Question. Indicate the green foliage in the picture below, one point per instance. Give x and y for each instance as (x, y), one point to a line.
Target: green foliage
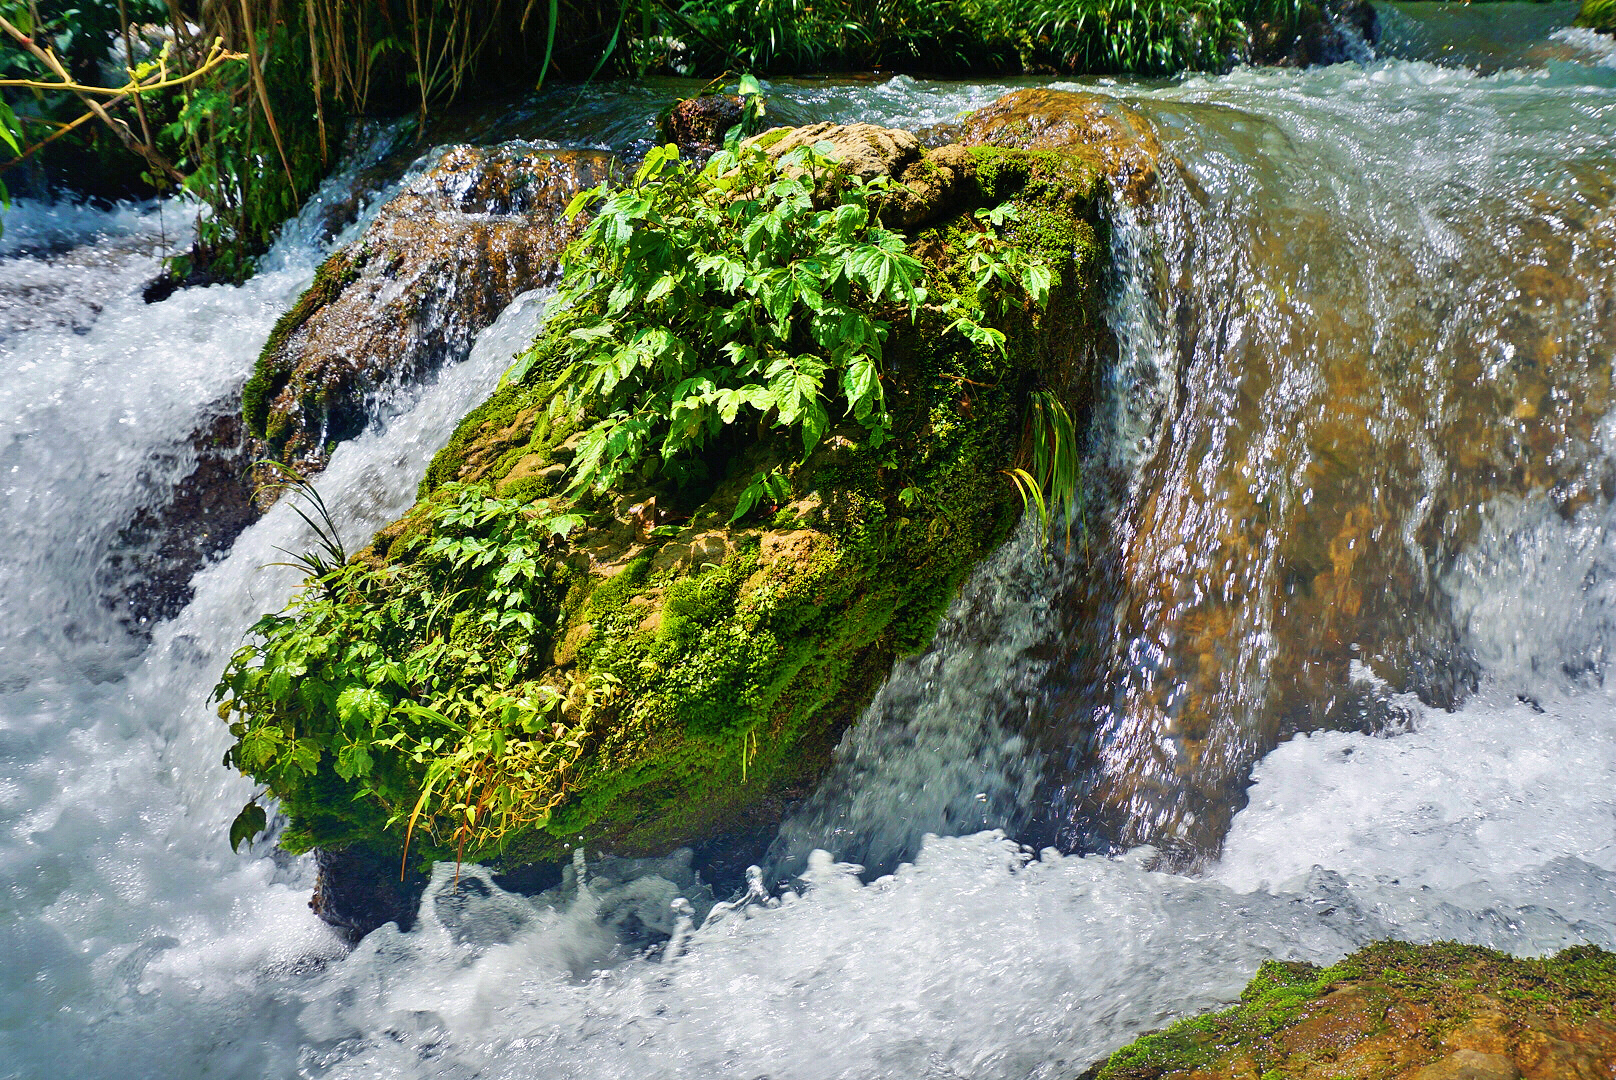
(409, 686)
(1051, 476)
(1598, 15)
(749, 293)
(969, 36)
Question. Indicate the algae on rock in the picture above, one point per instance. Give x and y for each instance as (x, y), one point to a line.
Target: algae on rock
(1401, 1012)
(696, 668)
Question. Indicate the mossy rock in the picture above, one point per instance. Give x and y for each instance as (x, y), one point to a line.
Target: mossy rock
(726, 660)
(1397, 1010)
(439, 263)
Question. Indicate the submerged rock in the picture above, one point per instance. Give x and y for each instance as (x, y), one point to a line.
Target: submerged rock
(440, 262)
(147, 575)
(1399, 1012)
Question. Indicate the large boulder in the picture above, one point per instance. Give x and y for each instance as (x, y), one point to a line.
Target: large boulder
(706, 662)
(438, 264)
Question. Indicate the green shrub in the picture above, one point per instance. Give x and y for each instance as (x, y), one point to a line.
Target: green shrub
(747, 292)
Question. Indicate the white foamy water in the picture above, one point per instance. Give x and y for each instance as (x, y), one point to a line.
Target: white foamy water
(135, 944)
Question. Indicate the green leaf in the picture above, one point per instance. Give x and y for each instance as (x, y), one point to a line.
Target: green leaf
(363, 703)
(354, 761)
(10, 129)
(249, 823)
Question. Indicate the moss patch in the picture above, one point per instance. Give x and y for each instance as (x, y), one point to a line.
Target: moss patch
(1393, 1010)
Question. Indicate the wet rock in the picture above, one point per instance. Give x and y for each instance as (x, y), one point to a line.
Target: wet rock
(147, 576)
(1329, 33)
(697, 125)
(357, 890)
(1400, 1011)
(435, 268)
(929, 186)
(1470, 1065)
(1060, 119)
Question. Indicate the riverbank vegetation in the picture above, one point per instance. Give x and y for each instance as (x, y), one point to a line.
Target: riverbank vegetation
(251, 135)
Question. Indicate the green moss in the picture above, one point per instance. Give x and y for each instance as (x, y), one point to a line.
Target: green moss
(274, 368)
(1443, 980)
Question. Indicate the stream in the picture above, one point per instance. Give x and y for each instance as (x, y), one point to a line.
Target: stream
(1337, 673)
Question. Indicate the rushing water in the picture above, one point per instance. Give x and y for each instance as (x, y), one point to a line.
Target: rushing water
(1362, 472)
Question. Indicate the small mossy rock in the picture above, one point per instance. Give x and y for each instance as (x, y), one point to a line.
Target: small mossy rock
(733, 656)
(1038, 119)
(1396, 1011)
(440, 262)
(1598, 15)
(930, 185)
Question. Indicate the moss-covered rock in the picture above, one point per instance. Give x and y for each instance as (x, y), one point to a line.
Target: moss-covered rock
(1395, 1010)
(737, 654)
(1037, 119)
(697, 664)
(439, 263)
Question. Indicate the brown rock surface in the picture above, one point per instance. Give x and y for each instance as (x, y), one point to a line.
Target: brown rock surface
(1396, 1011)
(436, 267)
(1060, 119)
(928, 185)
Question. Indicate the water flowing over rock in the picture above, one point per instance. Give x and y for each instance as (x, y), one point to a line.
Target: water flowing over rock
(438, 264)
(1333, 417)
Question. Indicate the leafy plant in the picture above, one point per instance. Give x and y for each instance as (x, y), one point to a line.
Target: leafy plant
(411, 683)
(1050, 476)
(748, 292)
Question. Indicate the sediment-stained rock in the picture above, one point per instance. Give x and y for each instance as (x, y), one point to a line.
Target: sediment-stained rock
(438, 264)
(1395, 1011)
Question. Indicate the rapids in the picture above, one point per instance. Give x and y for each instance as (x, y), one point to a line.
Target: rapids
(1342, 657)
